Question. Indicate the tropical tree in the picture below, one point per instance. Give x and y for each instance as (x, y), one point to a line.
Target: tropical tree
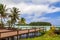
(14, 15)
(40, 23)
(1, 24)
(22, 21)
(3, 11)
(9, 23)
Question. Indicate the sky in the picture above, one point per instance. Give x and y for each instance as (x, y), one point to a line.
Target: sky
(37, 10)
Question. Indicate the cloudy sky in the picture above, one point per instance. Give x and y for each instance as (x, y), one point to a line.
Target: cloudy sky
(37, 10)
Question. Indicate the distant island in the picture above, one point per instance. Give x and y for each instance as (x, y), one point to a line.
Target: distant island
(36, 24)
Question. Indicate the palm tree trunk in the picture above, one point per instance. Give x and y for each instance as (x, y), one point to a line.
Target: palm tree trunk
(4, 20)
(13, 24)
(9, 25)
(1, 21)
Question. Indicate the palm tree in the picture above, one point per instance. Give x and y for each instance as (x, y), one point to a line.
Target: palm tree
(1, 24)
(3, 11)
(9, 23)
(14, 15)
(22, 21)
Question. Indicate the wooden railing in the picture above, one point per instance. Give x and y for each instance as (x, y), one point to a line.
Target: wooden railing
(15, 32)
(7, 34)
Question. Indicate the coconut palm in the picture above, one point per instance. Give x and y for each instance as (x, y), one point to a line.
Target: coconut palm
(3, 11)
(1, 24)
(14, 15)
(9, 23)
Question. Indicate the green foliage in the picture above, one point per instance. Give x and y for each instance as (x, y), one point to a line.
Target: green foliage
(49, 35)
(14, 15)
(3, 10)
(3, 13)
(1, 24)
(22, 21)
(45, 38)
(35, 24)
(40, 24)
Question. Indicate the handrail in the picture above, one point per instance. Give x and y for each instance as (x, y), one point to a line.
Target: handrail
(7, 31)
(15, 29)
(0, 35)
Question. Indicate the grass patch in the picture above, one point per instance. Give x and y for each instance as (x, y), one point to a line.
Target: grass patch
(47, 36)
(57, 37)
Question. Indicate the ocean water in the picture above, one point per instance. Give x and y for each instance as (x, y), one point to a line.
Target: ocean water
(30, 27)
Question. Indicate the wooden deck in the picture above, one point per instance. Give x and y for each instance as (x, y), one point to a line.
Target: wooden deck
(10, 32)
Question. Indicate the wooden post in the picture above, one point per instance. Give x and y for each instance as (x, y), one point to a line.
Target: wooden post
(17, 34)
(33, 34)
(35, 31)
(12, 38)
(7, 38)
(0, 36)
(27, 34)
(39, 29)
(20, 36)
(39, 32)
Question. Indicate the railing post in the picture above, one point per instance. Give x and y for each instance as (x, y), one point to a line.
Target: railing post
(27, 35)
(0, 34)
(17, 34)
(8, 38)
(35, 31)
(12, 38)
(39, 31)
(20, 36)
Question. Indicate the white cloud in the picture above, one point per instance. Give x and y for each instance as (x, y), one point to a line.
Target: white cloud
(39, 19)
(38, 7)
(51, 1)
(38, 10)
(32, 8)
(32, 1)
